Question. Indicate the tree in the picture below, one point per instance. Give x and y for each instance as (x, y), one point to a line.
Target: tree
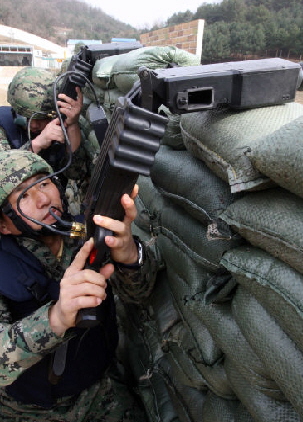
(216, 42)
(233, 10)
(256, 36)
(258, 15)
(211, 13)
(180, 18)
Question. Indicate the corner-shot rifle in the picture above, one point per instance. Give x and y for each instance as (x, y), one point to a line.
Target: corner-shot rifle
(133, 136)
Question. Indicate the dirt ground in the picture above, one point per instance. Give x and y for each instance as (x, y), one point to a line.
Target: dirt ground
(6, 75)
(8, 72)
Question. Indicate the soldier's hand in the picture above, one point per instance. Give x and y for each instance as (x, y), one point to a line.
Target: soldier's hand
(79, 288)
(51, 132)
(70, 108)
(123, 247)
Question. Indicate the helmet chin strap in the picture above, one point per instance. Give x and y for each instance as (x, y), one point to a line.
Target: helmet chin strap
(61, 226)
(26, 230)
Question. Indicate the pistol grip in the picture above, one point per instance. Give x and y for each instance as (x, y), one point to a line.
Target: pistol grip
(90, 317)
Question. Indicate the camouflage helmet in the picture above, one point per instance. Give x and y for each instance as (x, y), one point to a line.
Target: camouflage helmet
(16, 166)
(31, 92)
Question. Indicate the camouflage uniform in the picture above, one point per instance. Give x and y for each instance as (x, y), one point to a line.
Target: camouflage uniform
(109, 400)
(23, 343)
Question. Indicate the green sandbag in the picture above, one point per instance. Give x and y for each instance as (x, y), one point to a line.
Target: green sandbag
(98, 93)
(227, 335)
(160, 304)
(125, 69)
(261, 407)
(277, 286)
(203, 351)
(222, 139)
(142, 354)
(185, 279)
(217, 409)
(157, 400)
(271, 220)
(279, 354)
(199, 346)
(160, 384)
(187, 401)
(172, 136)
(162, 218)
(177, 347)
(209, 351)
(280, 156)
(188, 182)
(176, 341)
(101, 73)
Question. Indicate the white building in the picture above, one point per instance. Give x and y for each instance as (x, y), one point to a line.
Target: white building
(45, 53)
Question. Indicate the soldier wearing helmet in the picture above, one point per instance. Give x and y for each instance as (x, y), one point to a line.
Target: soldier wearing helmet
(41, 290)
(30, 123)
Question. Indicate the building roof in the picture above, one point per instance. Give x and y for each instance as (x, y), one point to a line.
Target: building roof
(10, 35)
(86, 42)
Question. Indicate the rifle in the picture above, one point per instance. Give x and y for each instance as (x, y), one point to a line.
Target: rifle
(133, 136)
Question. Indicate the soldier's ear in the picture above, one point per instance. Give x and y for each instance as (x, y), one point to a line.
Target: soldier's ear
(4, 229)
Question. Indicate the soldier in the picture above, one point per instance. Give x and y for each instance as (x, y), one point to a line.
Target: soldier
(50, 369)
(31, 124)
(32, 111)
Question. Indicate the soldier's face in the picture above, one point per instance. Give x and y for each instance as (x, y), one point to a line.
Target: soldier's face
(37, 125)
(35, 203)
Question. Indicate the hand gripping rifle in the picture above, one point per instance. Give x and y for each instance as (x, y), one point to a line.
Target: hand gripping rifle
(79, 72)
(133, 136)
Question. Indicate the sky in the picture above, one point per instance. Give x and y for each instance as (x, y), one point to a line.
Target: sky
(142, 14)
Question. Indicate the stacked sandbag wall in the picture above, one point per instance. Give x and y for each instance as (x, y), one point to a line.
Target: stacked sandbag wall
(257, 153)
(219, 338)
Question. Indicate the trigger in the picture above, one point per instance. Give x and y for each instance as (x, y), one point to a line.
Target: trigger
(92, 256)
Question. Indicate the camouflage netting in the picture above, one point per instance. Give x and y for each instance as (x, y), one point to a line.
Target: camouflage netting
(219, 339)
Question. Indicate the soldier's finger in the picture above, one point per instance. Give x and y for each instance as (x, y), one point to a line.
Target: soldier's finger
(81, 257)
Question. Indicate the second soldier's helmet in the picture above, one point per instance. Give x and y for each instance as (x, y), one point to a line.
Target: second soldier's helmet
(30, 93)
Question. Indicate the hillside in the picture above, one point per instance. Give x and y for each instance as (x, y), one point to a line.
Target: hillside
(234, 29)
(58, 20)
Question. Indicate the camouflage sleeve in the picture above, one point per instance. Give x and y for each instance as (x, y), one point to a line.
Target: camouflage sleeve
(78, 164)
(27, 146)
(24, 342)
(85, 155)
(4, 144)
(135, 286)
